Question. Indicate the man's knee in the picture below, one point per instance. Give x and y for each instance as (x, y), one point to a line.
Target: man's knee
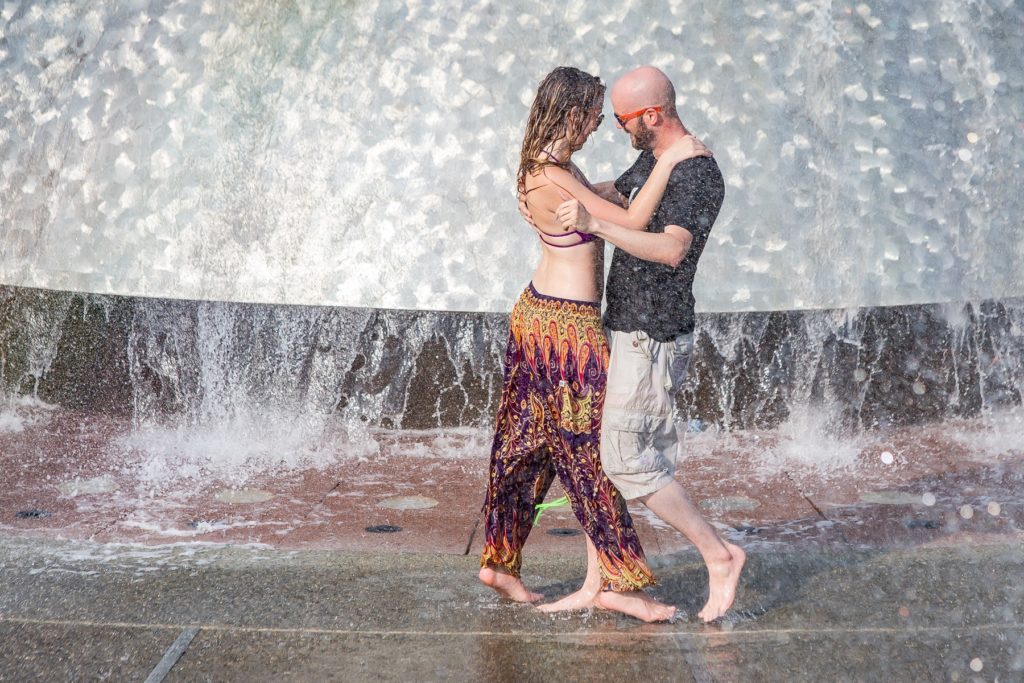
(669, 491)
(638, 483)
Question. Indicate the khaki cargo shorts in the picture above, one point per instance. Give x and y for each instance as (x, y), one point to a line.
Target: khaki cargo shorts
(639, 444)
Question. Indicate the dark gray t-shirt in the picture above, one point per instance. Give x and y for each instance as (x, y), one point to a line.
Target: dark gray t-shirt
(653, 297)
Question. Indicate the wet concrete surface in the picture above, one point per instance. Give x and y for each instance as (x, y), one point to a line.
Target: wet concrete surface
(919, 485)
(889, 556)
(85, 611)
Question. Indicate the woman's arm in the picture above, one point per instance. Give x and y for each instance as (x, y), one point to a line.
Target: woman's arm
(646, 200)
(607, 190)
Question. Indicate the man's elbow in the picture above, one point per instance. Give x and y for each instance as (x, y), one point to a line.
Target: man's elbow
(677, 252)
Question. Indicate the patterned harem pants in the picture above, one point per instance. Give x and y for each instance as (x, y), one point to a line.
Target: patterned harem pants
(549, 421)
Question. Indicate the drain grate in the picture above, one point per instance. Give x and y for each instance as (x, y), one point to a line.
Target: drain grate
(383, 529)
(564, 531)
(924, 524)
(197, 523)
(32, 514)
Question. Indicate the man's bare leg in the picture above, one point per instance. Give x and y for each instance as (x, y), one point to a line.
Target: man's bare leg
(584, 597)
(507, 586)
(724, 560)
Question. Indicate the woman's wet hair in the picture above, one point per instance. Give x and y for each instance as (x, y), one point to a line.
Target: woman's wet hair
(560, 109)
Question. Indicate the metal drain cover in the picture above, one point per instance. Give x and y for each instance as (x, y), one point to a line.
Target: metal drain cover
(565, 531)
(383, 529)
(32, 514)
(924, 524)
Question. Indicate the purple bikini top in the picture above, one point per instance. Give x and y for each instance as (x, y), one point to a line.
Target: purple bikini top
(584, 236)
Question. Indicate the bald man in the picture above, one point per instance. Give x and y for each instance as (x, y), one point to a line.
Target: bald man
(649, 323)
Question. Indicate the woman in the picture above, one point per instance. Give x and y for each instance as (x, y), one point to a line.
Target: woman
(556, 361)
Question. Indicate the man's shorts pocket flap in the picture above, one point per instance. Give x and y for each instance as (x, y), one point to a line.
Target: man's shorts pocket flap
(624, 421)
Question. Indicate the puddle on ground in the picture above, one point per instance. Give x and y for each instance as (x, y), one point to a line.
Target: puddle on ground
(239, 496)
(85, 487)
(890, 498)
(408, 503)
(730, 503)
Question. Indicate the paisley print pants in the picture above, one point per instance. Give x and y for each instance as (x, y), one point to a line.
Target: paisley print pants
(549, 421)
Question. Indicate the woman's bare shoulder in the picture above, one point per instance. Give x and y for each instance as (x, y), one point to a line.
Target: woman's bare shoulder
(546, 181)
(545, 175)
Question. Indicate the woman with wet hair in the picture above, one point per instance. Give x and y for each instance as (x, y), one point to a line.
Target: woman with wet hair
(549, 415)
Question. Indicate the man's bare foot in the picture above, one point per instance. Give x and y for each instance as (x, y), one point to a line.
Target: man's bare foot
(507, 586)
(581, 599)
(722, 580)
(636, 604)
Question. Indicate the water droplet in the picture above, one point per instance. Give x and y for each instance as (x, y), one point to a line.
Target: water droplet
(904, 612)
(993, 80)
(964, 154)
(886, 457)
(973, 138)
(860, 374)
(919, 387)
(928, 499)
(977, 665)
(966, 511)
(994, 509)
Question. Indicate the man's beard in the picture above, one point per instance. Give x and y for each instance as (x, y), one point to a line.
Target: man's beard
(643, 138)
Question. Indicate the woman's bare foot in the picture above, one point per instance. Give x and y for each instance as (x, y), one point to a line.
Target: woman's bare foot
(722, 580)
(581, 599)
(636, 604)
(507, 586)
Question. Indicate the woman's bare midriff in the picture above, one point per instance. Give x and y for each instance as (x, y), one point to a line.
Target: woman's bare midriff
(571, 273)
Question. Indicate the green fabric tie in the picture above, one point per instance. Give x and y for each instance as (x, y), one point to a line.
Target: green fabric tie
(541, 507)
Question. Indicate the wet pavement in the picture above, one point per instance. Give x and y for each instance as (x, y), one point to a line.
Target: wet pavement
(901, 559)
(87, 611)
(79, 477)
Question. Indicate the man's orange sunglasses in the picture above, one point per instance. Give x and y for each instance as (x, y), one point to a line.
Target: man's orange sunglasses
(622, 119)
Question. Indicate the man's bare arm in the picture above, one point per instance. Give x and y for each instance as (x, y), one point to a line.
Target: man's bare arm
(667, 247)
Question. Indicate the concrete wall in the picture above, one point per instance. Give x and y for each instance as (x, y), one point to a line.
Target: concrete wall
(197, 362)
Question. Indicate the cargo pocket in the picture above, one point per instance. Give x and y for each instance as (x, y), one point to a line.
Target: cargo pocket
(627, 444)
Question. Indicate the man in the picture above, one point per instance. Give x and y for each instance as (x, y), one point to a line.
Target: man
(650, 320)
